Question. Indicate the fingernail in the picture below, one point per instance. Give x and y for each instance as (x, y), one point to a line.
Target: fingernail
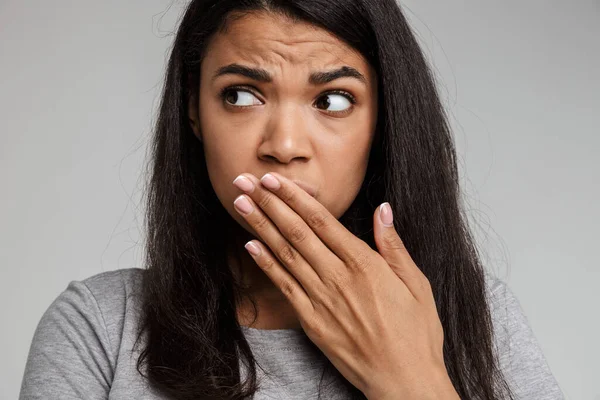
(252, 248)
(385, 214)
(243, 205)
(244, 184)
(270, 182)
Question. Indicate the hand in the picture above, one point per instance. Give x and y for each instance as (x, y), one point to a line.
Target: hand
(372, 314)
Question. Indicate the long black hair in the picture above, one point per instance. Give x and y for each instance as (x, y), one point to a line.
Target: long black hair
(194, 344)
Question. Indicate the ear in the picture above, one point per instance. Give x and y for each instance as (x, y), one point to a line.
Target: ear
(194, 118)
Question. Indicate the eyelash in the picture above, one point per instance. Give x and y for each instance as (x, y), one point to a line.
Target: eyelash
(352, 99)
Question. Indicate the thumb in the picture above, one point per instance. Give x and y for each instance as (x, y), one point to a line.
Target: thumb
(391, 247)
(389, 244)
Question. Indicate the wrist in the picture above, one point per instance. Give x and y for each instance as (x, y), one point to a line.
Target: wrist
(425, 387)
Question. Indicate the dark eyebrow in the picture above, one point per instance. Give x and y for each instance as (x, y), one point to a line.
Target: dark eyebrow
(315, 78)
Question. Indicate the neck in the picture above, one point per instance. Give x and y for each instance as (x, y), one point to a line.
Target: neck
(274, 310)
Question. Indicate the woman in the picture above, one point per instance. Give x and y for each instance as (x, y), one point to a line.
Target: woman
(335, 100)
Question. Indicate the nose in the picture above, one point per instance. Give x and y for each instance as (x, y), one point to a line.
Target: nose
(286, 138)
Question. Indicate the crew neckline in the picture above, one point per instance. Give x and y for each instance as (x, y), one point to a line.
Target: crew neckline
(269, 340)
(272, 332)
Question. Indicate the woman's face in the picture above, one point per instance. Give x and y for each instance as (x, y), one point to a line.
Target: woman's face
(281, 120)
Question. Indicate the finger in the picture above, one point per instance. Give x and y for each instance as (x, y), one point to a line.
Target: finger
(289, 257)
(281, 278)
(343, 243)
(392, 249)
(295, 230)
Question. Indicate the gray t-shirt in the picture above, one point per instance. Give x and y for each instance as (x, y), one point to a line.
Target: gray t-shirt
(82, 348)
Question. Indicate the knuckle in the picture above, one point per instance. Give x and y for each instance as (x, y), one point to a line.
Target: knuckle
(393, 242)
(316, 328)
(265, 200)
(297, 233)
(359, 261)
(267, 264)
(287, 254)
(289, 196)
(318, 219)
(336, 283)
(288, 289)
(261, 224)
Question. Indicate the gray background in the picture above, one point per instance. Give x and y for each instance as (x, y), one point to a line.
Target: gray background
(80, 82)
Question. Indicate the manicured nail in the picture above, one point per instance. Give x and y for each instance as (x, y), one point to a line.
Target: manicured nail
(244, 184)
(385, 214)
(270, 182)
(243, 205)
(252, 248)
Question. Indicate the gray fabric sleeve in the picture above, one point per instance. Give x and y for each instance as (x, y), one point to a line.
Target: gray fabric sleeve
(521, 357)
(69, 357)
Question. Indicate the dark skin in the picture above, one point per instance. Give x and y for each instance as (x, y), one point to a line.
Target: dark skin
(372, 313)
(288, 125)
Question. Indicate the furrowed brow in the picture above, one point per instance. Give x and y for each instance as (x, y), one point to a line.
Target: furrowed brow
(315, 78)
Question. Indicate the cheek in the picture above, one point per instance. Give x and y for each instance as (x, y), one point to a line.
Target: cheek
(223, 160)
(222, 169)
(339, 198)
(221, 172)
(221, 181)
(343, 182)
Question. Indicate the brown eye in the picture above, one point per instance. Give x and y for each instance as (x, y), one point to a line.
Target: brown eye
(339, 101)
(232, 95)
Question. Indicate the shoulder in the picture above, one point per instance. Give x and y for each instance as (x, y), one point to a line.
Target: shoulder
(99, 293)
(106, 293)
(116, 285)
(520, 354)
(116, 295)
(501, 298)
(81, 334)
(505, 310)
(107, 303)
(494, 285)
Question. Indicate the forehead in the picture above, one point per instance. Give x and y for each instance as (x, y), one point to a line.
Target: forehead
(273, 39)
